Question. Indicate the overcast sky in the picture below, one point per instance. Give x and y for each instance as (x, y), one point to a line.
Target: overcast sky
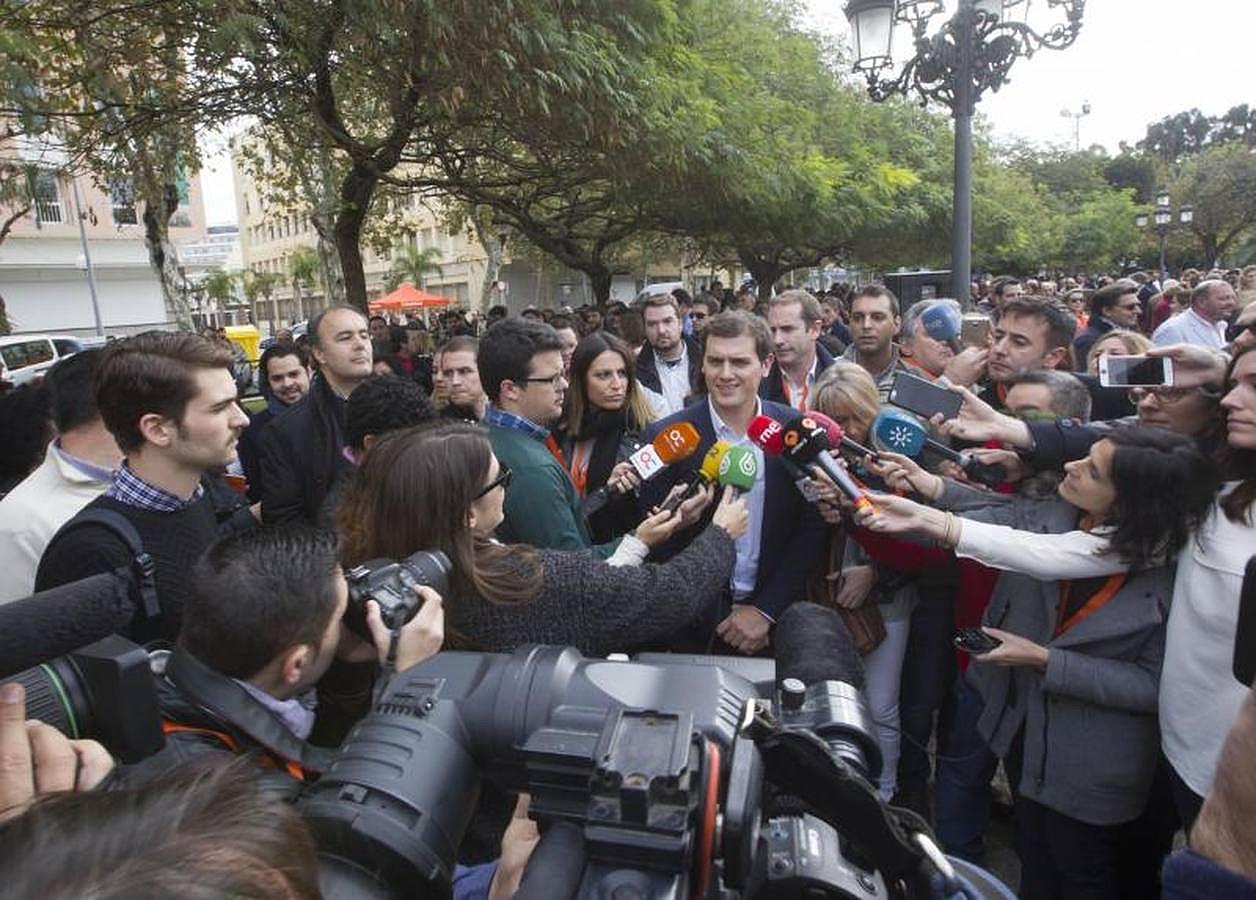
(1135, 62)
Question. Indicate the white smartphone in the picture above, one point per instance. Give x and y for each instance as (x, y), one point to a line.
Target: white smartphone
(1135, 371)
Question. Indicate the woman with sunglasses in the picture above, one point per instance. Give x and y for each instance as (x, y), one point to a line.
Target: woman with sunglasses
(439, 487)
(604, 416)
(1070, 688)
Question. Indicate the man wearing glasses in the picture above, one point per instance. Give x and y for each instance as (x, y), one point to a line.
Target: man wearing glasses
(521, 370)
(1111, 307)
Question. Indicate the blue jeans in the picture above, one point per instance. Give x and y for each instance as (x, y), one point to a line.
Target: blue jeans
(928, 671)
(965, 767)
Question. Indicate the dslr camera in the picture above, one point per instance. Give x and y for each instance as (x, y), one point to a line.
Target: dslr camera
(391, 584)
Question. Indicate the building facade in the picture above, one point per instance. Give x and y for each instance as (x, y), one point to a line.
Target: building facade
(43, 268)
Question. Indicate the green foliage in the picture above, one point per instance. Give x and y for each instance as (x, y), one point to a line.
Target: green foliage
(1220, 183)
(1190, 133)
(413, 264)
(219, 285)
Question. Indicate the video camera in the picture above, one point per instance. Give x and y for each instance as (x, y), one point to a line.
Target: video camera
(685, 776)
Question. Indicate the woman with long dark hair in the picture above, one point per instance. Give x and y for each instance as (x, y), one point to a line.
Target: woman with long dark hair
(1070, 692)
(605, 414)
(439, 487)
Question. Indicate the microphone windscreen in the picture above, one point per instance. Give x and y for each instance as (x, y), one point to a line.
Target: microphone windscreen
(831, 429)
(941, 322)
(710, 468)
(676, 442)
(61, 619)
(812, 645)
(767, 433)
(739, 468)
(898, 432)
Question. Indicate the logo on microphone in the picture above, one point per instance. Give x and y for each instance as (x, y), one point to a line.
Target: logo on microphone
(898, 436)
(747, 466)
(792, 437)
(676, 439)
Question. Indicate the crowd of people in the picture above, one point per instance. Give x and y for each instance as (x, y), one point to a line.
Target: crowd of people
(1102, 566)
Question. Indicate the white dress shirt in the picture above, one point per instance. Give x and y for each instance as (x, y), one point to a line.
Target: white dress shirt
(674, 379)
(1189, 327)
(746, 568)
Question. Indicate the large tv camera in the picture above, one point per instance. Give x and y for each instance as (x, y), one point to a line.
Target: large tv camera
(683, 776)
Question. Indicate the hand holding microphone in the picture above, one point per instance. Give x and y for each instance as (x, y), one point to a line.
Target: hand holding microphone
(902, 433)
(670, 446)
(708, 473)
(732, 514)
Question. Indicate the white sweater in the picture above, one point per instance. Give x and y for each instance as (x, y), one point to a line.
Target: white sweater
(1199, 697)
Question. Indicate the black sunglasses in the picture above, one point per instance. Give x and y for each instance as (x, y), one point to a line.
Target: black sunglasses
(502, 480)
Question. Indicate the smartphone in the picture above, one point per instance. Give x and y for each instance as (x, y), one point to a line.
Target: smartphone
(974, 641)
(924, 398)
(1134, 371)
(1245, 634)
(975, 331)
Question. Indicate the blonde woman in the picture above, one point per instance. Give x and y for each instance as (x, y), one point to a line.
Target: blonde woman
(1116, 343)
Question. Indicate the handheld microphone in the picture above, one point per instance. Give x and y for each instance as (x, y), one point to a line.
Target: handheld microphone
(671, 445)
(739, 468)
(805, 444)
(708, 473)
(819, 676)
(902, 433)
(769, 435)
(837, 436)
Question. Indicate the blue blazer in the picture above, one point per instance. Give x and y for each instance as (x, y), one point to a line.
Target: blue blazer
(793, 537)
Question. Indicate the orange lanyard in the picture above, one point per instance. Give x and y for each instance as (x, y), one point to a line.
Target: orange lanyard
(551, 444)
(581, 453)
(788, 395)
(1102, 596)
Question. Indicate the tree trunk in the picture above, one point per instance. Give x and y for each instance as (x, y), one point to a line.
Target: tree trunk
(600, 281)
(765, 272)
(494, 249)
(1209, 244)
(162, 255)
(355, 197)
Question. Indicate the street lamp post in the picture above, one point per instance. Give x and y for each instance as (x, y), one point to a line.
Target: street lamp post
(971, 52)
(1163, 217)
(1077, 123)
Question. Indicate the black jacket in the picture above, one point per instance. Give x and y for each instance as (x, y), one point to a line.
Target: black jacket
(1097, 328)
(772, 388)
(207, 715)
(302, 455)
(648, 373)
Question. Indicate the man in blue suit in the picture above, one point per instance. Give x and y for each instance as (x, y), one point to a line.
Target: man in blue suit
(786, 536)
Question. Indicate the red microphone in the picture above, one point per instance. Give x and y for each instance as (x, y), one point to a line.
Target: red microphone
(768, 433)
(837, 437)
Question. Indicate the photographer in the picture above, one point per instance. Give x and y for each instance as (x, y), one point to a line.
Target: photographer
(262, 624)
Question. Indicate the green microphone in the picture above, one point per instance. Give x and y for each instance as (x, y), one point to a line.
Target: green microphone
(739, 468)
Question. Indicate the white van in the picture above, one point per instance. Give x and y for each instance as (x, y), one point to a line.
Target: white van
(25, 357)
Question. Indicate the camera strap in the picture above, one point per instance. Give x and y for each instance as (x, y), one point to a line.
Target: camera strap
(883, 837)
(228, 703)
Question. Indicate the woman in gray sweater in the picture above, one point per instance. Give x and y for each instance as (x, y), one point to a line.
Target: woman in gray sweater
(441, 488)
(1070, 691)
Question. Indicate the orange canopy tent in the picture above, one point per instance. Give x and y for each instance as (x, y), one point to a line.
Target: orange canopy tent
(407, 296)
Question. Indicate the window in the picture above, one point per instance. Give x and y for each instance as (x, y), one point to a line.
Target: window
(122, 197)
(27, 353)
(47, 198)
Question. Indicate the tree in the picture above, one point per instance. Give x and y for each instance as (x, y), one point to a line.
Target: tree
(219, 286)
(1220, 183)
(413, 264)
(259, 286)
(1191, 132)
(304, 266)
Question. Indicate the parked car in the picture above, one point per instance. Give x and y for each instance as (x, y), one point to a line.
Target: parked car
(26, 357)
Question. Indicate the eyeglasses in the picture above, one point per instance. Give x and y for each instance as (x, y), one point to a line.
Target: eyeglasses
(1166, 396)
(501, 481)
(552, 380)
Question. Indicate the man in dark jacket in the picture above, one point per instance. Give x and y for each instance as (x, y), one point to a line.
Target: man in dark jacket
(795, 319)
(670, 362)
(303, 450)
(777, 554)
(284, 372)
(1113, 306)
